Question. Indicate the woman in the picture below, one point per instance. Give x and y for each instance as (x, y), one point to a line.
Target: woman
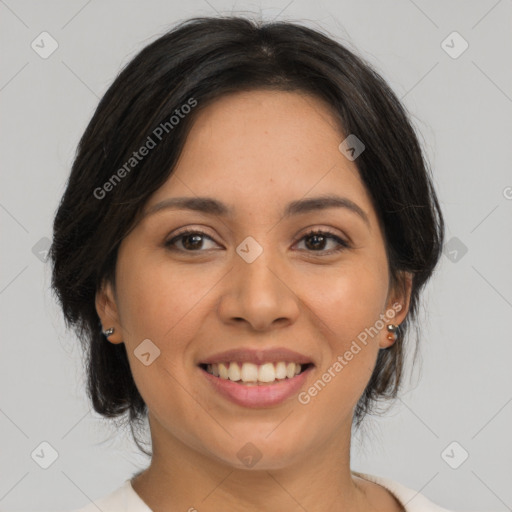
(241, 247)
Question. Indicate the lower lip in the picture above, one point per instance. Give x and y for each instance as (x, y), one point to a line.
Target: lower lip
(259, 395)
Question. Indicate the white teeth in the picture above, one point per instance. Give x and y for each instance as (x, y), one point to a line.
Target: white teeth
(223, 371)
(234, 372)
(267, 373)
(250, 372)
(280, 370)
(290, 370)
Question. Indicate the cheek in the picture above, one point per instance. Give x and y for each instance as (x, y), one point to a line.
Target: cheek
(353, 300)
(157, 305)
(349, 313)
(154, 298)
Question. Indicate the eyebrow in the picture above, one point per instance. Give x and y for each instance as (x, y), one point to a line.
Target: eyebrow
(212, 206)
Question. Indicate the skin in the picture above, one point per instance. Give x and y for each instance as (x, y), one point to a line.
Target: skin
(255, 151)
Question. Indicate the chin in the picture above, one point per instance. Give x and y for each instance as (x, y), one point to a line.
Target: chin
(255, 454)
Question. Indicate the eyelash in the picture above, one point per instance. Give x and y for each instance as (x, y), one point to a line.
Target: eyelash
(325, 233)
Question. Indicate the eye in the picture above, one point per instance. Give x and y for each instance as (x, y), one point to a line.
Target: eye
(318, 240)
(190, 241)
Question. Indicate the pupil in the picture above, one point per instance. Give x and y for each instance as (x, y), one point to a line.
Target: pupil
(195, 245)
(316, 238)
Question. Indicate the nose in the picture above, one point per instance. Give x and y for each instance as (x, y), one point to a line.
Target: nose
(259, 294)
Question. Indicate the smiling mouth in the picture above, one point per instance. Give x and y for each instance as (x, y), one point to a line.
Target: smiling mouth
(255, 375)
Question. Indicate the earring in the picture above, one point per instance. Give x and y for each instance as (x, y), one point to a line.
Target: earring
(392, 332)
(108, 332)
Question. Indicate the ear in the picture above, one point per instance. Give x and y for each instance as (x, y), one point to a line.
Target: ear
(106, 307)
(397, 306)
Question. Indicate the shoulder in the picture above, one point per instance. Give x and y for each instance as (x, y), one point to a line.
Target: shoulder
(122, 499)
(411, 500)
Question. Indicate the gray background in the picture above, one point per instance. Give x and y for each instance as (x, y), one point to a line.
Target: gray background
(462, 107)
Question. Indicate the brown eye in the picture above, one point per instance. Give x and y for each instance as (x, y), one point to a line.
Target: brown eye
(191, 241)
(317, 240)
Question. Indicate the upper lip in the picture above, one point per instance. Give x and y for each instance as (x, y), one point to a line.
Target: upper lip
(257, 356)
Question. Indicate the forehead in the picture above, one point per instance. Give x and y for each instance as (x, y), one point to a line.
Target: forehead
(260, 149)
(267, 127)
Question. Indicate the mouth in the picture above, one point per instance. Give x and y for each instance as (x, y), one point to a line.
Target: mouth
(256, 378)
(251, 374)
(256, 386)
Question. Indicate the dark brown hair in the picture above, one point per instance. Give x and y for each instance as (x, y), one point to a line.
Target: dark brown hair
(200, 60)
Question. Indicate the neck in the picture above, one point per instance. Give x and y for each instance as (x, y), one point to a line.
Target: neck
(182, 478)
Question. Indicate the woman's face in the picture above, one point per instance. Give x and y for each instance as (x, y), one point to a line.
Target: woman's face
(253, 281)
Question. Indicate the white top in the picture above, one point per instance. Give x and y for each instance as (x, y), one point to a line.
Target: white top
(125, 499)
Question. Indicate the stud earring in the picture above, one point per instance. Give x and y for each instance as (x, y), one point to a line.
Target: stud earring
(108, 332)
(392, 332)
